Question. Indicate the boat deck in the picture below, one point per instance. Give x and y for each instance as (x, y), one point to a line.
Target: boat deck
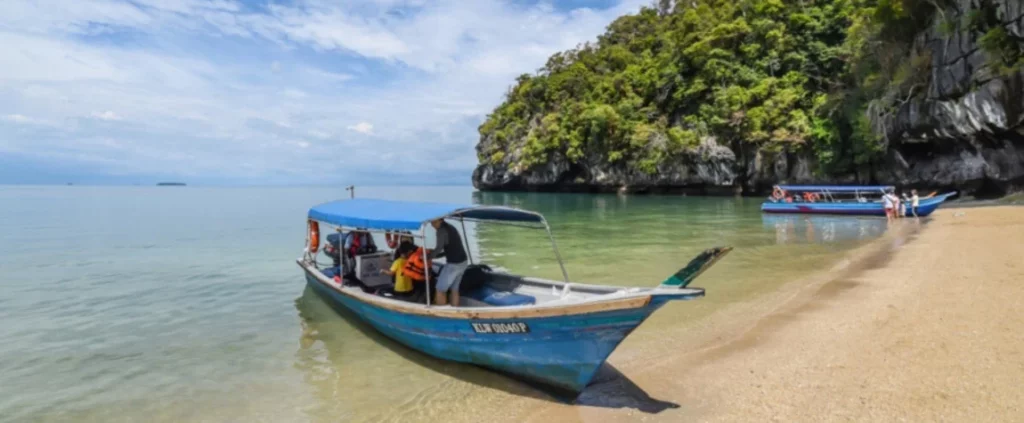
(504, 289)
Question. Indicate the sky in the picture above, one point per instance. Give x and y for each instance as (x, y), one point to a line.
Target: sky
(266, 92)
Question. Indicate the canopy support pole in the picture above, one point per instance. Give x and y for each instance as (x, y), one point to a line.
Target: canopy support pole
(465, 240)
(426, 264)
(305, 253)
(565, 275)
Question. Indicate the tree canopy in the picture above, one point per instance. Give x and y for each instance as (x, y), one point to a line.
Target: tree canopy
(794, 74)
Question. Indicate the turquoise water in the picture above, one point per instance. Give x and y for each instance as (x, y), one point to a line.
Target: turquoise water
(185, 304)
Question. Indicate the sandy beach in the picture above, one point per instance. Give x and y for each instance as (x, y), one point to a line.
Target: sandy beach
(921, 325)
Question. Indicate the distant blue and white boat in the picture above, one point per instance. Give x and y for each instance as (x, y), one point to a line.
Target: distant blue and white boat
(554, 332)
(842, 200)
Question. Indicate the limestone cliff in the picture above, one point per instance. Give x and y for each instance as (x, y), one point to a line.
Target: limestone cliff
(960, 127)
(966, 131)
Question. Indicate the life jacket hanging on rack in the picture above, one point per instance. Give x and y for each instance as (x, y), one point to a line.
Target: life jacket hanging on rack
(355, 243)
(359, 242)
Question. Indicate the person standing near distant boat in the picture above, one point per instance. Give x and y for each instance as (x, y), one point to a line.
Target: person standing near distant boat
(449, 246)
(901, 204)
(889, 202)
(778, 194)
(914, 201)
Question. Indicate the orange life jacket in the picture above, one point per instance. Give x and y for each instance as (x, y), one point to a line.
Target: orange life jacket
(414, 268)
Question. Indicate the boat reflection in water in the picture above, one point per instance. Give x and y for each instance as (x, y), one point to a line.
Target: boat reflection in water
(805, 229)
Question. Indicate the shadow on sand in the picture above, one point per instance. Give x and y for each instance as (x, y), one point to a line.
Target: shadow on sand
(609, 389)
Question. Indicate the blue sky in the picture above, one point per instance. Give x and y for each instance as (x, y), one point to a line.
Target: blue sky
(266, 91)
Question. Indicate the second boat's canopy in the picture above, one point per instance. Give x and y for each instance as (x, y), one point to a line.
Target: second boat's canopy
(837, 188)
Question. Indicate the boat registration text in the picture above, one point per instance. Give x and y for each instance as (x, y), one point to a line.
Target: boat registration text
(501, 328)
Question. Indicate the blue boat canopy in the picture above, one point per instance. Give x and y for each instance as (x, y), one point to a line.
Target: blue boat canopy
(408, 215)
(837, 188)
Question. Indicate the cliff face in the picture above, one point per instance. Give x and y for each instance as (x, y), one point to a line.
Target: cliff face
(966, 132)
(707, 167)
(962, 130)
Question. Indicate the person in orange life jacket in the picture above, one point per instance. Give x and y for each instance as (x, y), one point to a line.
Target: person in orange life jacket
(415, 269)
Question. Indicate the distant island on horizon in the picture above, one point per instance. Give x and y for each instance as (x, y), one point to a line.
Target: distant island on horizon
(170, 184)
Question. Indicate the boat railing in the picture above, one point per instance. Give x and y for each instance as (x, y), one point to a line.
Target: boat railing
(422, 236)
(827, 196)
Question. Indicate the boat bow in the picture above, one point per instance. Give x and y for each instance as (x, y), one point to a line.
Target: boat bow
(695, 268)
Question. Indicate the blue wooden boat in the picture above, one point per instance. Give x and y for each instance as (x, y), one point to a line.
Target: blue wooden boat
(845, 200)
(557, 333)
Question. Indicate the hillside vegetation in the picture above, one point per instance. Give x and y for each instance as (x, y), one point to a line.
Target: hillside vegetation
(756, 75)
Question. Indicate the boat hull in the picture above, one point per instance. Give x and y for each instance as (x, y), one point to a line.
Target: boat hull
(560, 351)
(925, 207)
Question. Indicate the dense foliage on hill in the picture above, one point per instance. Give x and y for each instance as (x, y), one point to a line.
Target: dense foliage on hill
(755, 74)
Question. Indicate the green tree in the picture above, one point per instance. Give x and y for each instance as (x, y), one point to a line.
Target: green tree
(815, 75)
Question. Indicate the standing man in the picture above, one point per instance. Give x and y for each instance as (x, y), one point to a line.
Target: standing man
(889, 203)
(449, 246)
(914, 201)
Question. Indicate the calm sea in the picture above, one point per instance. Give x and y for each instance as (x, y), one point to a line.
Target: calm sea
(185, 303)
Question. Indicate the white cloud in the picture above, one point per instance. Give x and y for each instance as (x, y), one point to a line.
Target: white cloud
(107, 115)
(78, 16)
(295, 94)
(362, 127)
(189, 6)
(16, 118)
(208, 82)
(319, 134)
(331, 76)
(335, 29)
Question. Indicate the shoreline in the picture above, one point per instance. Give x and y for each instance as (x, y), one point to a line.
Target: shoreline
(734, 191)
(893, 331)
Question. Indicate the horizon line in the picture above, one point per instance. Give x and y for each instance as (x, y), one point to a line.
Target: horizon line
(216, 185)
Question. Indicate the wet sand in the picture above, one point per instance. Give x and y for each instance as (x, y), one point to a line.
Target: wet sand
(922, 325)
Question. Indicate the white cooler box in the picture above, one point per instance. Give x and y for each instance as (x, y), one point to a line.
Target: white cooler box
(369, 267)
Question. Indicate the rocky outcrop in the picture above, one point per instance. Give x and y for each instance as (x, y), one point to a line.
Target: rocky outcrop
(964, 132)
(709, 167)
